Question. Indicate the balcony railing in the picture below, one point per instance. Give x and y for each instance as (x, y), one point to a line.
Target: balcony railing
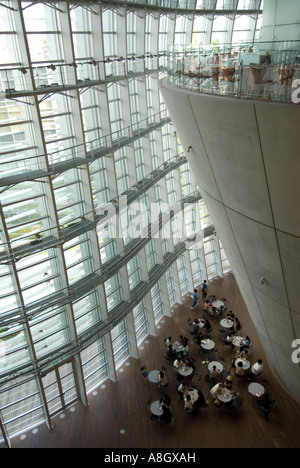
(264, 70)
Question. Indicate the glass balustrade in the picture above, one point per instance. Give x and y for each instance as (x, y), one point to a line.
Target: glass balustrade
(258, 70)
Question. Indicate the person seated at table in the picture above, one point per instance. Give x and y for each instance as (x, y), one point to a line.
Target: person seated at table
(188, 404)
(178, 362)
(230, 315)
(207, 325)
(183, 340)
(200, 402)
(162, 379)
(212, 299)
(256, 369)
(235, 402)
(239, 370)
(189, 362)
(168, 341)
(195, 327)
(229, 340)
(214, 374)
(245, 344)
(182, 389)
(218, 404)
(236, 325)
(265, 402)
(228, 382)
(185, 350)
(165, 400)
(216, 389)
(220, 311)
(166, 414)
(170, 354)
(206, 308)
(199, 338)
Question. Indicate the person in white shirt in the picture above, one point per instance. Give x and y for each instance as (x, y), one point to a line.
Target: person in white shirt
(188, 404)
(216, 389)
(256, 369)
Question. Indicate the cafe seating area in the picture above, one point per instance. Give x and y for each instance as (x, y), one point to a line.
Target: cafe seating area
(213, 357)
(131, 405)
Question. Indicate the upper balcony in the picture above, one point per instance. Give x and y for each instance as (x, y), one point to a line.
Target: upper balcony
(260, 70)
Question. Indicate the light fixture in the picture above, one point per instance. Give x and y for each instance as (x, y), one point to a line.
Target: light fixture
(189, 149)
(108, 60)
(262, 280)
(93, 62)
(23, 70)
(52, 67)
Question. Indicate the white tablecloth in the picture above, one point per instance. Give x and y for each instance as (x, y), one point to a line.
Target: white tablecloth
(152, 376)
(256, 389)
(237, 340)
(154, 408)
(225, 395)
(226, 323)
(207, 344)
(217, 304)
(185, 371)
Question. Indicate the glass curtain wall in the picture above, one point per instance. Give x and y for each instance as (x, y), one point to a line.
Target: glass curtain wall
(84, 132)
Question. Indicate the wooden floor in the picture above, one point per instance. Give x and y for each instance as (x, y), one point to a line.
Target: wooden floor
(117, 417)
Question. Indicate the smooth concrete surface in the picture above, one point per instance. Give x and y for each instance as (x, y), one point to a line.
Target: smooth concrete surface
(246, 160)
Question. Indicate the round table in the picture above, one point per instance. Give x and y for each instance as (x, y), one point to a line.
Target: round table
(177, 347)
(218, 365)
(256, 389)
(152, 376)
(207, 344)
(154, 408)
(217, 304)
(226, 323)
(185, 371)
(246, 364)
(237, 340)
(225, 395)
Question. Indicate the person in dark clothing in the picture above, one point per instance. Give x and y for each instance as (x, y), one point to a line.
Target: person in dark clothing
(166, 415)
(165, 400)
(200, 402)
(204, 289)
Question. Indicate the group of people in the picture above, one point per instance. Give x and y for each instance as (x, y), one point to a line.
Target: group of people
(178, 352)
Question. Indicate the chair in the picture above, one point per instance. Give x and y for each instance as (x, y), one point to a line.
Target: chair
(143, 372)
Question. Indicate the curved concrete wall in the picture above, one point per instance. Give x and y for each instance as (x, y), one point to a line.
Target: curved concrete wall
(245, 157)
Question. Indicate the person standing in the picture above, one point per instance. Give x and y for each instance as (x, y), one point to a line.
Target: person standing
(204, 289)
(195, 298)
